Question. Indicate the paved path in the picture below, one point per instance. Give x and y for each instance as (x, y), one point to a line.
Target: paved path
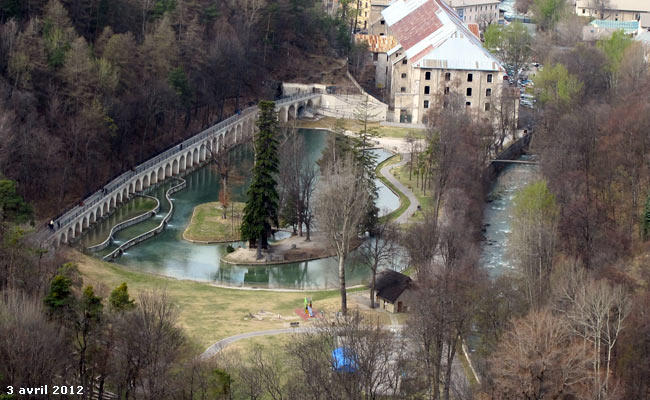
(385, 171)
(223, 343)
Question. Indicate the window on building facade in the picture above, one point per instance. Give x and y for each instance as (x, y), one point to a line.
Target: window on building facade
(447, 76)
(447, 90)
(488, 92)
(426, 103)
(445, 104)
(470, 77)
(404, 61)
(469, 91)
(402, 89)
(403, 75)
(489, 78)
(468, 103)
(426, 89)
(383, 22)
(427, 76)
(487, 106)
(375, 56)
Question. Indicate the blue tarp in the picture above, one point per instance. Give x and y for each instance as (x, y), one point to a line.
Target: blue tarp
(342, 361)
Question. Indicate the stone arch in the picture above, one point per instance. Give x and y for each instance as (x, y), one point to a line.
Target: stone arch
(63, 238)
(70, 235)
(283, 114)
(98, 213)
(112, 204)
(145, 182)
(105, 208)
(217, 143)
(92, 217)
(291, 112)
(153, 177)
(125, 194)
(188, 160)
(118, 198)
(175, 166)
(238, 133)
(161, 173)
(77, 228)
(131, 188)
(168, 170)
(84, 222)
(310, 103)
(138, 185)
(181, 163)
(195, 157)
(300, 110)
(202, 152)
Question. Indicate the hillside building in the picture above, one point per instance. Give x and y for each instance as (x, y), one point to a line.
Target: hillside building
(436, 55)
(481, 12)
(614, 10)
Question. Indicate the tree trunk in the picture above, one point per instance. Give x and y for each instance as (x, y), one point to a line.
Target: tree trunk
(344, 300)
(259, 248)
(372, 288)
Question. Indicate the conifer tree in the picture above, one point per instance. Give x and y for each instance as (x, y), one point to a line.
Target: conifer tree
(261, 208)
(645, 224)
(119, 299)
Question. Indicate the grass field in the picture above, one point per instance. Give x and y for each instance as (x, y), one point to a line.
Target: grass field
(207, 225)
(209, 313)
(351, 125)
(426, 201)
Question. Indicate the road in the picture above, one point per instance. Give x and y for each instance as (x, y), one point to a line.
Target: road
(385, 171)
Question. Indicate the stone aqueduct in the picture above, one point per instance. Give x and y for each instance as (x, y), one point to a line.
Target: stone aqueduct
(172, 162)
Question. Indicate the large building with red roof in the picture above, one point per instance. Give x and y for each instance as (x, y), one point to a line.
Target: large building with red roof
(437, 55)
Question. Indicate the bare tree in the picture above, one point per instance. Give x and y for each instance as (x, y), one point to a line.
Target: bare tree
(341, 204)
(538, 359)
(380, 249)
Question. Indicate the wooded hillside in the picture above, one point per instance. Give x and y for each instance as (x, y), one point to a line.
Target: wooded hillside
(89, 88)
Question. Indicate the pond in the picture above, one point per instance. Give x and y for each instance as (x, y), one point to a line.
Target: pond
(169, 255)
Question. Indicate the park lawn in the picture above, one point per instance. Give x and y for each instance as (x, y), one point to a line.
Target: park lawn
(426, 201)
(209, 313)
(353, 125)
(207, 225)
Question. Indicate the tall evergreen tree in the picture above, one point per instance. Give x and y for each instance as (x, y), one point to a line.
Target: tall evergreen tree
(262, 205)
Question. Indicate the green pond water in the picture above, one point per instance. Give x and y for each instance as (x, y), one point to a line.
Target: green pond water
(169, 255)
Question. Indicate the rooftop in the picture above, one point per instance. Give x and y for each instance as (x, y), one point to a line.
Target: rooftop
(433, 36)
(391, 284)
(622, 5)
(377, 43)
(467, 3)
(629, 27)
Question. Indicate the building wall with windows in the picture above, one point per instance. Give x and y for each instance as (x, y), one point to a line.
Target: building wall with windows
(417, 90)
(615, 10)
(481, 12)
(377, 24)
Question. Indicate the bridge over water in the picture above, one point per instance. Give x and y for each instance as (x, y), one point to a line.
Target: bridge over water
(175, 161)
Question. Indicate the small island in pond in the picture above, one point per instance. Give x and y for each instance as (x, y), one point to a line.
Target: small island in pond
(208, 224)
(291, 249)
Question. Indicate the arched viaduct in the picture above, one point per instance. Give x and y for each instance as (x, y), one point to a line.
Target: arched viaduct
(174, 161)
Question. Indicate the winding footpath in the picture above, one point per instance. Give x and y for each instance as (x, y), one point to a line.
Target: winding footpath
(223, 343)
(385, 171)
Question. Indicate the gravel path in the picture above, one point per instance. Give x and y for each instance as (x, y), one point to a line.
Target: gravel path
(385, 171)
(223, 343)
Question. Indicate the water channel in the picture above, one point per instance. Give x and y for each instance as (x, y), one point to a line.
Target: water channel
(169, 255)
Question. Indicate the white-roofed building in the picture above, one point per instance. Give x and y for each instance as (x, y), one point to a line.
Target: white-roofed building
(436, 55)
(615, 10)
